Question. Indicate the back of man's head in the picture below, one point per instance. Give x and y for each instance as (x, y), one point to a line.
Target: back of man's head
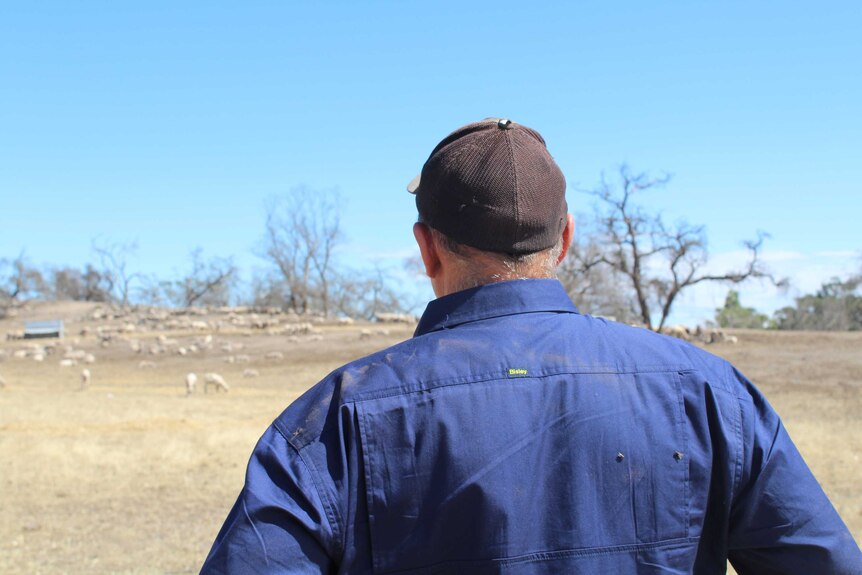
(494, 199)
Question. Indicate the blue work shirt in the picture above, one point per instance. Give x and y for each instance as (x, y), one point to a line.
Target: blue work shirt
(513, 434)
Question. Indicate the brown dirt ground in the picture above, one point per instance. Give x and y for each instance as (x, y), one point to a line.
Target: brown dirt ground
(132, 476)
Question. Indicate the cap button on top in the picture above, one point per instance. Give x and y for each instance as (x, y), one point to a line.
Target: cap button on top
(504, 124)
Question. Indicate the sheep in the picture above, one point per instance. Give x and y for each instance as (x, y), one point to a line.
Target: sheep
(68, 362)
(250, 373)
(89, 358)
(387, 317)
(215, 380)
(365, 334)
(165, 341)
(146, 364)
(191, 381)
(715, 336)
(75, 354)
(677, 331)
(85, 378)
(296, 328)
(274, 355)
(345, 321)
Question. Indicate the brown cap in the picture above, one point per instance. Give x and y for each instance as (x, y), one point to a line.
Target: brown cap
(493, 185)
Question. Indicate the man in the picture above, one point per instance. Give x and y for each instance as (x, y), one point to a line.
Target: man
(513, 434)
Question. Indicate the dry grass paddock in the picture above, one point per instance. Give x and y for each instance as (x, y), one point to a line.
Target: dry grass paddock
(132, 476)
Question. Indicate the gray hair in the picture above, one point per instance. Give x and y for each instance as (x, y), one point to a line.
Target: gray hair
(480, 267)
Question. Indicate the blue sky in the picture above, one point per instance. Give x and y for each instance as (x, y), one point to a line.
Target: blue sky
(170, 123)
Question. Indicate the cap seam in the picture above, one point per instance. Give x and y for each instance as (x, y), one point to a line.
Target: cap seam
(515, 186)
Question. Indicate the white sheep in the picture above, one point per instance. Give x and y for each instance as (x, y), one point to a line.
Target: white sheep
(215, 380)
(85, 378)
(191, 381)
(250, 373)
(274, 355)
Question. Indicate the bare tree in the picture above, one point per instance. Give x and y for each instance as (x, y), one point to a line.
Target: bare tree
(19, 280)
(657, 261)
(210, 281)
(365, 294)
(113, 258)
(303, 229)
(67, 283)
(597, 290)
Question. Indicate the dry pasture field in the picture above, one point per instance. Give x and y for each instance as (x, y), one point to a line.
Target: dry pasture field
(131, 475)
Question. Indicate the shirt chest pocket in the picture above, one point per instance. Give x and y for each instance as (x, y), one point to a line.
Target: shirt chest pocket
(507, 468)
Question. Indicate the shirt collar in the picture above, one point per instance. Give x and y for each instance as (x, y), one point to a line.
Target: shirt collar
(495, 300)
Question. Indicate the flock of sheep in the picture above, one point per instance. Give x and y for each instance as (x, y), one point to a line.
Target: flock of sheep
(178, 333)
(699, 334)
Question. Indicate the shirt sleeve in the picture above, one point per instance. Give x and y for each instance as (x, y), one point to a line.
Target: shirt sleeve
(782, 522)
(278, 523)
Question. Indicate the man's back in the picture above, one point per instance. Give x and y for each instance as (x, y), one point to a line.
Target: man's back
(514, 434)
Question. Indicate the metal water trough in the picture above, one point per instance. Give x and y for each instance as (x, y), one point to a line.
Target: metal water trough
(37, 329)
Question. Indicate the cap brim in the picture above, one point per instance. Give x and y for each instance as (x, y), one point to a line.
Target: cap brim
(413, 186)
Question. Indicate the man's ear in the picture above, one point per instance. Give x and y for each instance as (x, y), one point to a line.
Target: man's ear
(568, 234)
(428, 249)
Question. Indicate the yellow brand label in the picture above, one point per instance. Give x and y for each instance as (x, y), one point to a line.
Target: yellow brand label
(515, 372)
